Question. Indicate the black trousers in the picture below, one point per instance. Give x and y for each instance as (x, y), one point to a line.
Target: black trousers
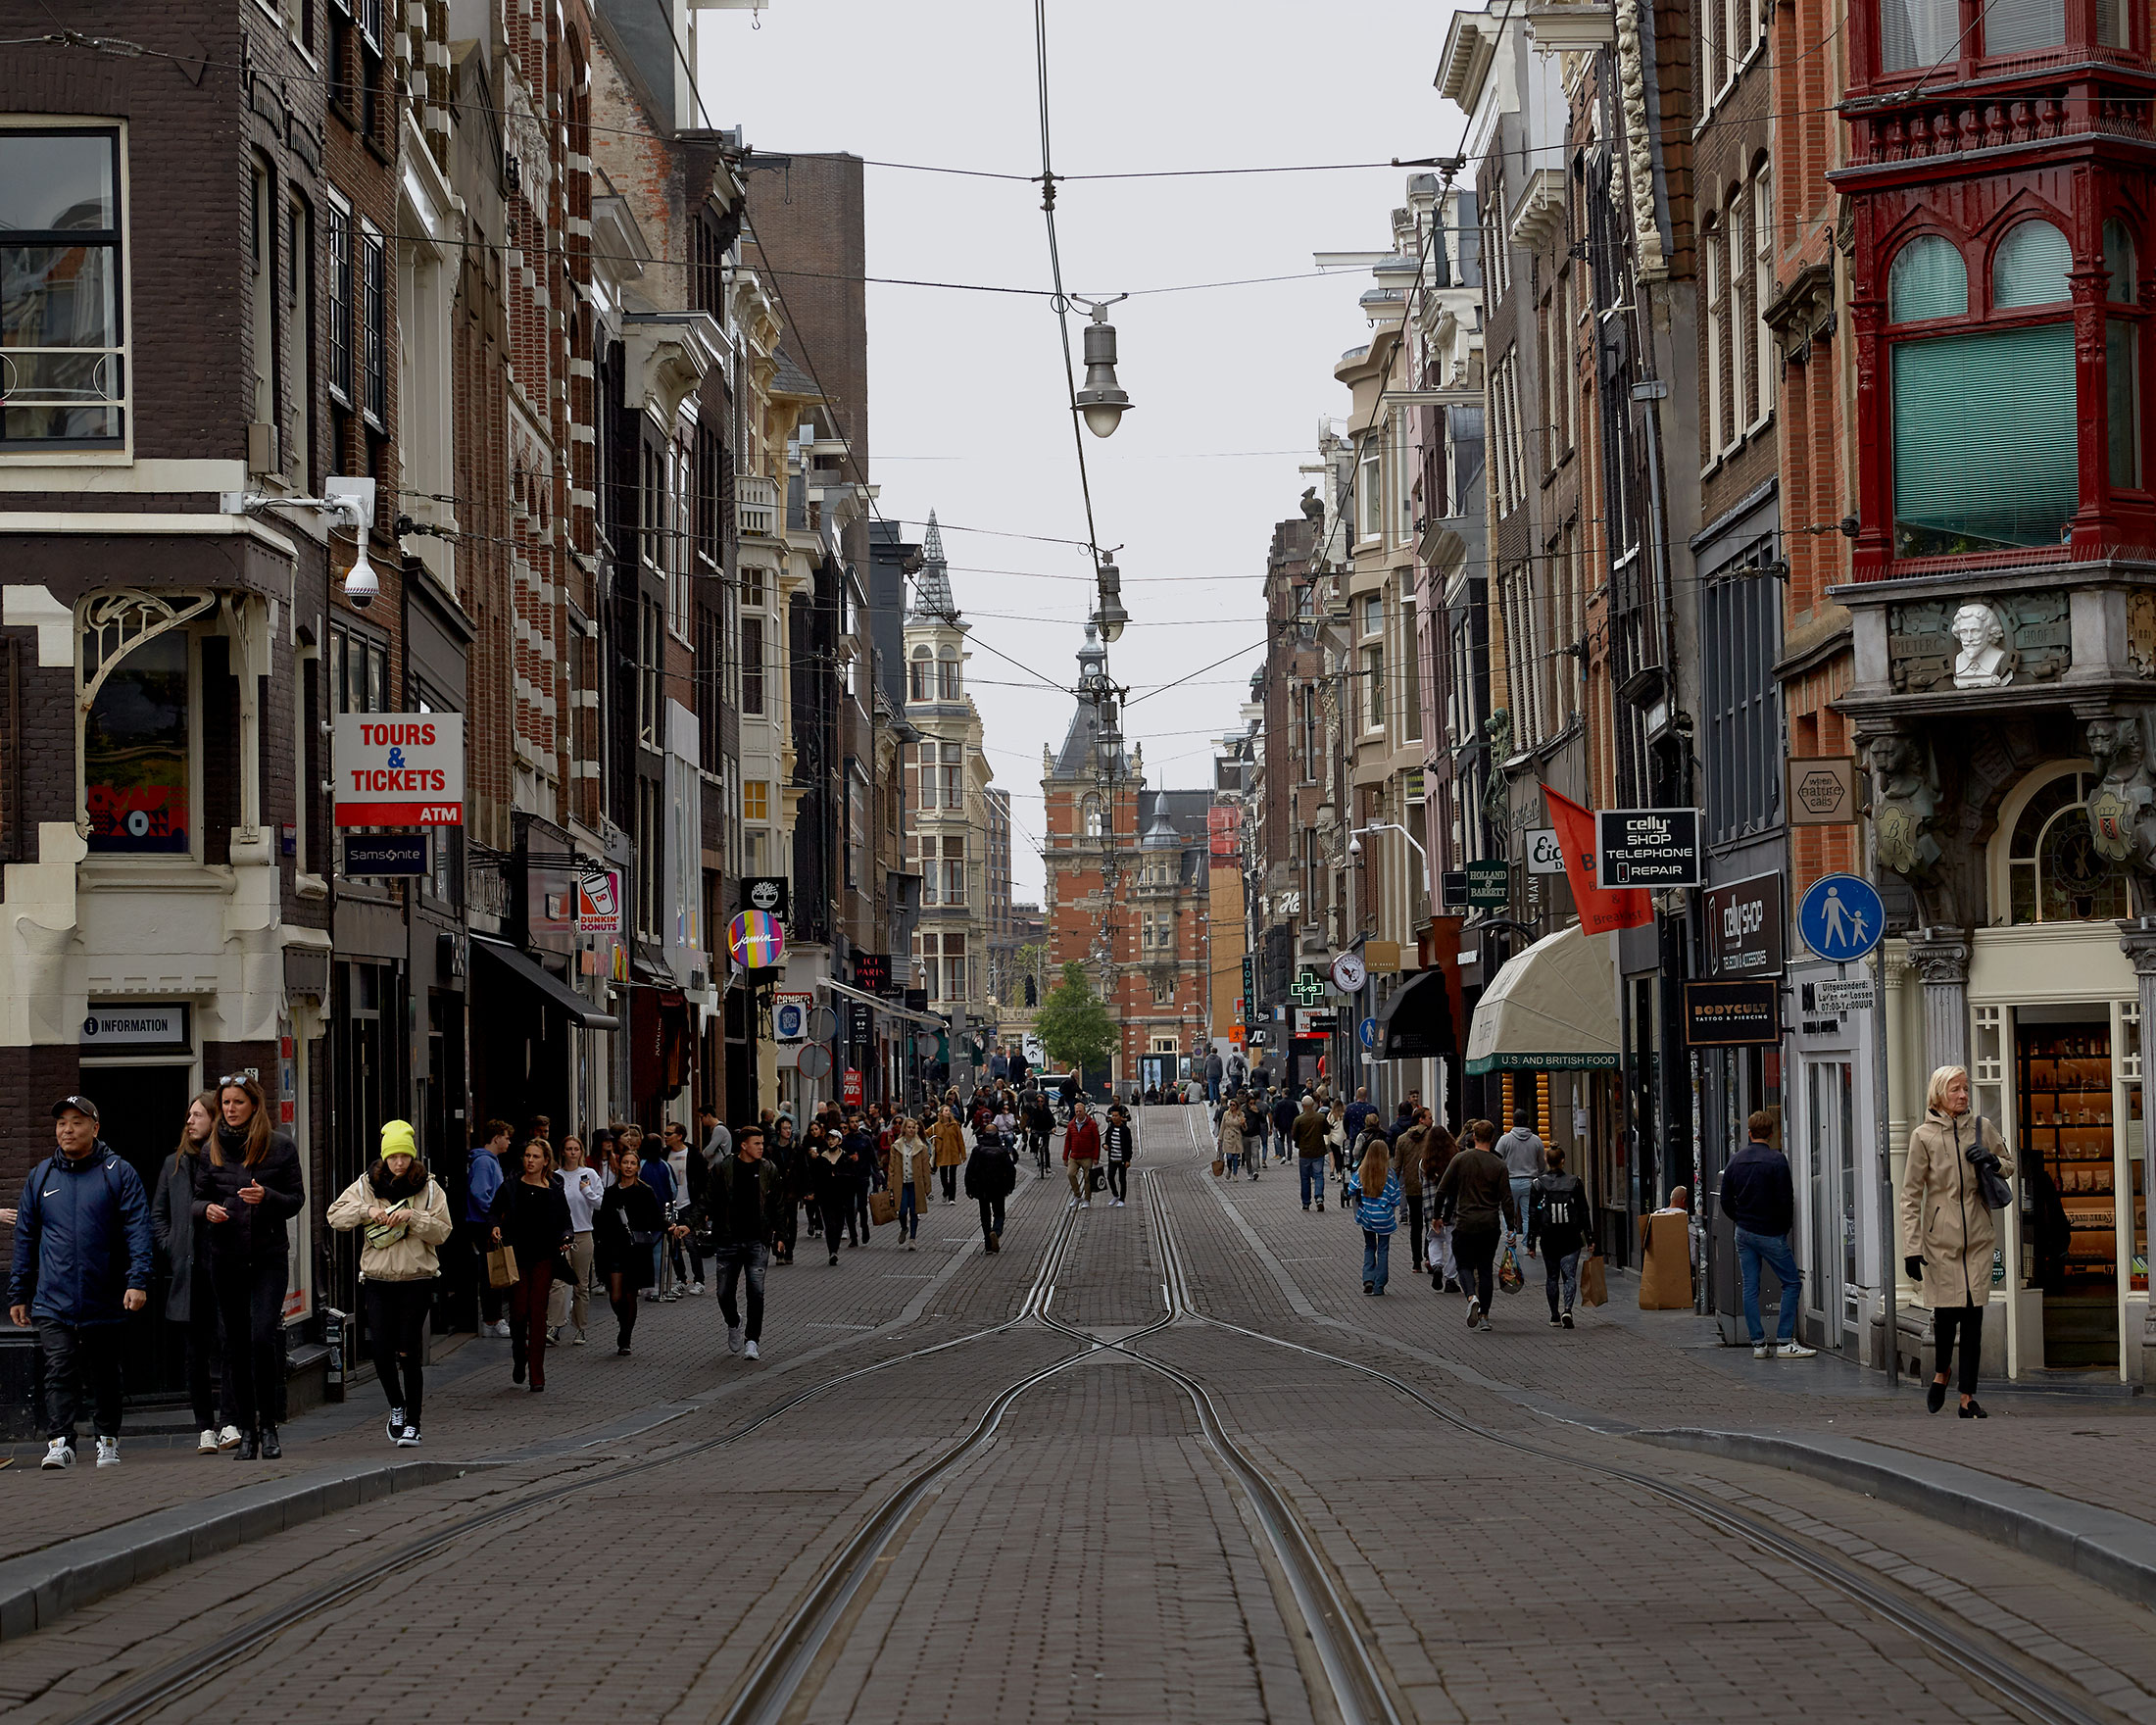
(1414, 1229)
(395, 1339)
(859, 1216)
(1476, 1256)
(949, 1177)
(80, 1362)
(1967, 1323)
(198, 1340)
(478, 1239)
(621, 1296)
(992, 1215)
(1119, 1179)
(837, 1218)
(251, 1307)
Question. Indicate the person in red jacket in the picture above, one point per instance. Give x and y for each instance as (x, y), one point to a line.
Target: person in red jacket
(1081, 1154)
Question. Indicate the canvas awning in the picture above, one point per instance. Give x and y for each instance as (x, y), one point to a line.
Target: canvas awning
(1415, 1022)
(1551, 1008)
(543, 982)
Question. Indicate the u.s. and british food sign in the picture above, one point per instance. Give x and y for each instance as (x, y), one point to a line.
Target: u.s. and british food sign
(399, 769)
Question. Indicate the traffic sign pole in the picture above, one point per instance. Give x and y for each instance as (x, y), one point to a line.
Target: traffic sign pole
(1889, 1303)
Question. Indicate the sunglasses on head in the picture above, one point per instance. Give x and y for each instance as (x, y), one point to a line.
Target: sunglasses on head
(235, 1081)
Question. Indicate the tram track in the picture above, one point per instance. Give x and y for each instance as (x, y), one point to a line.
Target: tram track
(1950, 1639)
(176, 1677)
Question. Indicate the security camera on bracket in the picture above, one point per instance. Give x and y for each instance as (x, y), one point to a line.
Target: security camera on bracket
(351, 501)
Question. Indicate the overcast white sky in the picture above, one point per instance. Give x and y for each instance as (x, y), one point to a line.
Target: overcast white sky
(967, 405)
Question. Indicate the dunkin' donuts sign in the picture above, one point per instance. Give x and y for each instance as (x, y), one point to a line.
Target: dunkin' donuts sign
(399, 769)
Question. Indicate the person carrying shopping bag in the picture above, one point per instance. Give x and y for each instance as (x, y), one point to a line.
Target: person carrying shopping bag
(403, 1217)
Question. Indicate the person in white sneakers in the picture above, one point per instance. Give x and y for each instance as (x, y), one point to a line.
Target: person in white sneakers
(405, 1216)
(183, 1237)
(83, 1255)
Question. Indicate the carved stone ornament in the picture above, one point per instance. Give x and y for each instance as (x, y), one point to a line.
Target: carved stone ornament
(1906, 808)
(1977, 643)
(1943, 963)
(2140, 632)
(1498, 791)
(1984, 661)
(2122, 807)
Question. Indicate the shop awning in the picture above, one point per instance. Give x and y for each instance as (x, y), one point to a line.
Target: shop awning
(551, 987)
(1551, 1008)
(1415, 1024)
(880, 1004)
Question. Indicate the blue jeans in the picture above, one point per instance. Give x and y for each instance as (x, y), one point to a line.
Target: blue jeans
(1377, 1248)
(1313, 1171)
(1521, 1189)
(910, 1216)
(1774, 1249)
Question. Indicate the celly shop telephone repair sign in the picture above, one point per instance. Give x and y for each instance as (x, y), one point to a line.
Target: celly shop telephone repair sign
(399, 769)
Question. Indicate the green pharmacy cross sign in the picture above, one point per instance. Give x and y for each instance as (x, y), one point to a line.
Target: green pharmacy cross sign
(1308, 989)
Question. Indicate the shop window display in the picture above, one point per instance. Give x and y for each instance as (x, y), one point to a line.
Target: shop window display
(135, 776)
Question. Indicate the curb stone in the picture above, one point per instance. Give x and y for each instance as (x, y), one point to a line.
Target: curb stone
(2115, 1551)
(39, 1588)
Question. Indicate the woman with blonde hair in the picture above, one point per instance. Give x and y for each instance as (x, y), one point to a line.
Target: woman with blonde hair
(910, 1172)
(1947, 1234)
(1374, 1190)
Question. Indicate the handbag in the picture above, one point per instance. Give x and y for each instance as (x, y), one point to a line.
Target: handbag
(1096, 1179)
(1220, 1166)
(501, 1267)
(1997, 1194)
(1594, 1284)
(883, 1206)
(1509, 1277)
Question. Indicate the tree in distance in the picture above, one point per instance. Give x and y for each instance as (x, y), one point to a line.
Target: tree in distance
(1075, 1027)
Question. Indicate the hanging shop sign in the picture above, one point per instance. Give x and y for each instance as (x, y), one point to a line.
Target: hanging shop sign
(1545, 855)
(599, 903)
(1310, 1022)
(398, 769)
(372, 853)
(1732, 1015)
(850, 1087)
(767, 893)
(1822, 791)
(1490, 885)
(1651, 848)
(1741, 928)
(873, 972)
(790, 1017)
(754, 941)
(1452, 892)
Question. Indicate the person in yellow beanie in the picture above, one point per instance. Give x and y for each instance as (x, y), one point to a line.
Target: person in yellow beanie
(405, 1215)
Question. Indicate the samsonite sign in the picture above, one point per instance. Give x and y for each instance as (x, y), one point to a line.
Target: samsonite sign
(399, 769)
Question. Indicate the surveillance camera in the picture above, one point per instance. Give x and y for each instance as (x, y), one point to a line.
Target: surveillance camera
(362, 586)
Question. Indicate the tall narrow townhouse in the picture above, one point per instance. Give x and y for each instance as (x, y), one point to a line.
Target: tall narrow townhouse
(669, 463)
(171, 575)
(1291, 883)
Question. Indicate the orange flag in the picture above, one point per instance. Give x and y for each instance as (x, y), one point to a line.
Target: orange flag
(1601, 908)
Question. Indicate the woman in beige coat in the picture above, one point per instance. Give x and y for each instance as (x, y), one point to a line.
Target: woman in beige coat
(1948, 1233)
(909, 1169)
(950, 1146)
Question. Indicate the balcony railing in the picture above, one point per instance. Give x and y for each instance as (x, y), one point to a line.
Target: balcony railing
(755, 504)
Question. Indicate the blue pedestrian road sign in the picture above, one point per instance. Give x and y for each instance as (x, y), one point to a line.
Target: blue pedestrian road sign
(1842, 918)
(1367, 1030)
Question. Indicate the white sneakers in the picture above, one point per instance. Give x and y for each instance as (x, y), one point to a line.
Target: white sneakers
(209, 1444)
(108, 1451)
(1762, 1351)
(229, 1437)
(500, 1329)
(752, 1352)
(393, 1430)
(733, 1338)
(408, 1437)
(1793, 1349)
(1117, 1204)
(58, 1454)
(696, 1287)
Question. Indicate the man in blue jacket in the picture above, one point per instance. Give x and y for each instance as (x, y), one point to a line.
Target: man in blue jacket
(1760, 1198)
(482, 1180)
(82, 1260)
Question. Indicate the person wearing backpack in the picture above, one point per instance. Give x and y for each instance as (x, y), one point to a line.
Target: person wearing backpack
(1760, 1198)
(83, 1257)
(1556, 1225)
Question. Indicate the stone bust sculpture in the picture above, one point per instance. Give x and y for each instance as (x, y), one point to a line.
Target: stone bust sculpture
(1982, 663)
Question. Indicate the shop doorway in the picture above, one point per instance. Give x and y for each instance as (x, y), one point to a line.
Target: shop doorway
(2063, 1081)
(1830, 1195)
(144, 1129)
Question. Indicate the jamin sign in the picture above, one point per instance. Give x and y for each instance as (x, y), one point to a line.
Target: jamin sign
(399, 769)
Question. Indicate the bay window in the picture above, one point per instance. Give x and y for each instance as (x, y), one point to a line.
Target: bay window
(137, 751)
(63, 350)
(1984, 415)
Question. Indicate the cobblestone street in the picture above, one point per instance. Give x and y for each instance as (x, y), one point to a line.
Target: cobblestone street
(670, 1529)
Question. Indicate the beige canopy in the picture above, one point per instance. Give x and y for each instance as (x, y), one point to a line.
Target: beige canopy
(1551, 1008)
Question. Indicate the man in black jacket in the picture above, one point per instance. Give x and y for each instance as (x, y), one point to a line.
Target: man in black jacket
(1760, 1198)
(744, 1202)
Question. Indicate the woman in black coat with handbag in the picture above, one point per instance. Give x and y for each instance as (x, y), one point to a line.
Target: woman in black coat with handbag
(531, 1217)
(183, 1236)
(249, 1191)
(631, 1221)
